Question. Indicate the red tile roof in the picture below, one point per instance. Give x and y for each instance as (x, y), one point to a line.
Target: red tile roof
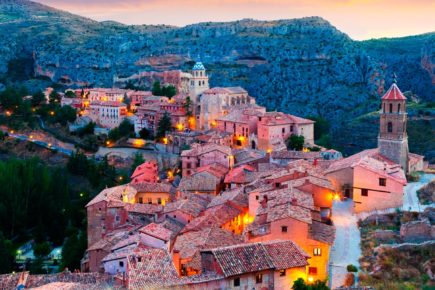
(157, 231)
(254, 257)
(201, 181)
(215, 216)
(152, 187)
(236, 197)
(150, 269)
(189, 207)
(238, 174)
(322, 232)
(393, 93)
(198, 149)
(188, 244)
(216, 169)
(143, 208)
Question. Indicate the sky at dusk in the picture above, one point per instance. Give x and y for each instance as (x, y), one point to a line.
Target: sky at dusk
(360, 19)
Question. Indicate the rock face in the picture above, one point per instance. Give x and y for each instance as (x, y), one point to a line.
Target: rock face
(301, 66)
(417, 231)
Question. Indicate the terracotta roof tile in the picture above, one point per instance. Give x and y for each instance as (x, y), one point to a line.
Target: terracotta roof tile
(322, 232)
(157, 231)
(253, 257)
(152, 187)
(200, 149)
(393, 93)
(188, 244)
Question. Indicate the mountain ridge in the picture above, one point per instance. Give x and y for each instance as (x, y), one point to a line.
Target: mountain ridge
(303, 66)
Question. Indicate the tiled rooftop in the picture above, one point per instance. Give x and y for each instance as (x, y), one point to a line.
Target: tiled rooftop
(215, 216)
(157, 231)
(198, 149)
(322, 232)
(188, 244)
(253, 257)
(202, 181)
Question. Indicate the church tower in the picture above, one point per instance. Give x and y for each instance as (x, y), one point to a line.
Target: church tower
(393, 140)
(198, 82)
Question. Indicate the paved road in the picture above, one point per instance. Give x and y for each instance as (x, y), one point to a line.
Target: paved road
(346, 249)
(410, 199)
(41, 143)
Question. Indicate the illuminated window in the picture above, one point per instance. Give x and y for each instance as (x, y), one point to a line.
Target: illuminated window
(259, 278)
(312, 270)
(317, 252)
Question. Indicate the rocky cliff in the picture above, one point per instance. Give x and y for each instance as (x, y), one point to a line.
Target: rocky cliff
(302, 66)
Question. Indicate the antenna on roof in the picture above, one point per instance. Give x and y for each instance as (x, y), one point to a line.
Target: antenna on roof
(394, 78)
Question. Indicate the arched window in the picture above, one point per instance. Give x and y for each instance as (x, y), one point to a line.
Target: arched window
(390, 127)
(398, 108)
(391, 108)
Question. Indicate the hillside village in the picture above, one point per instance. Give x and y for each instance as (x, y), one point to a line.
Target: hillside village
(244, 209)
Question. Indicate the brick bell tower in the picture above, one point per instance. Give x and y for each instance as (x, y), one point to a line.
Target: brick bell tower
(392, 139)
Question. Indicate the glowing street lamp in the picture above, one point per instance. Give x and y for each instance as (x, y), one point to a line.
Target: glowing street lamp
(310, 279)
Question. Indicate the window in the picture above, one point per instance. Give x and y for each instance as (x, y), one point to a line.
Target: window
(291, 128)
(188, 165)
(390, 127)
(159, 200)
(150, 200)
(391, 108)
(140, 200)
(398, 108)
(282, 272)
(236, 282)
(283, 229)
(117, 218)
(139, 259)
(257, 197)
(312, 270)
(121, 263)
(283, 130)
(364, 192)
(259, 278)
(317, 252)
(382, 182)
(238, 142)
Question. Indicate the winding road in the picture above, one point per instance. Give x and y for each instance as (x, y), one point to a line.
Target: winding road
(346, 249)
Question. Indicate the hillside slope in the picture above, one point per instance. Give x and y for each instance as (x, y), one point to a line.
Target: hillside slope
(302, 66)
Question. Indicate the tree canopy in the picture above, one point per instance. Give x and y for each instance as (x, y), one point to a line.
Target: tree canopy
(163, 126)
(295, 142)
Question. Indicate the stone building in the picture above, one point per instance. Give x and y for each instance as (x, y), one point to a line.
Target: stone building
(393, 140)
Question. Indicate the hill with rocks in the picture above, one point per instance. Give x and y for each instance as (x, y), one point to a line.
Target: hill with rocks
(301, 66)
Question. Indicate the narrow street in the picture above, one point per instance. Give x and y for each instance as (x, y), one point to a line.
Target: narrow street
(346, 249)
